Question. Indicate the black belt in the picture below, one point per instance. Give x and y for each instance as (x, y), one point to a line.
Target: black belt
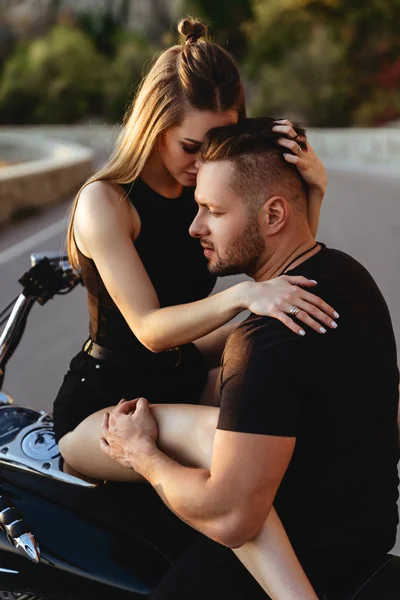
(168, 359)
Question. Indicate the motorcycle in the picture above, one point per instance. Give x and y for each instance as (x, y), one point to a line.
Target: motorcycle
(63, 538)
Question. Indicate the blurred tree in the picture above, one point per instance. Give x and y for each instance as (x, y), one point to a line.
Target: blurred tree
(125, 73)
(55, 79)
(334, 74)
(7, 42)
(226, 18)
(102, 28)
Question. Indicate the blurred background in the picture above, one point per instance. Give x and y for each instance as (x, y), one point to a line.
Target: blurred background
(69, 68)
(328, 63)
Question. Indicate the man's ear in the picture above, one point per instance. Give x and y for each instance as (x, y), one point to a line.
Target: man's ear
(273, 214)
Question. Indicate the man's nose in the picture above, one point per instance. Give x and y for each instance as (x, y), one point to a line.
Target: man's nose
(197, 229)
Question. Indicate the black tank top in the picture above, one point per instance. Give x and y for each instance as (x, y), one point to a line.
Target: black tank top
(173, 260)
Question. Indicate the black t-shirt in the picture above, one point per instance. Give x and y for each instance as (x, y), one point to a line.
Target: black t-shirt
(335, 393)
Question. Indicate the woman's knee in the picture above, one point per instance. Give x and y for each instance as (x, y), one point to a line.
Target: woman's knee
(68, 447)
(73, 443)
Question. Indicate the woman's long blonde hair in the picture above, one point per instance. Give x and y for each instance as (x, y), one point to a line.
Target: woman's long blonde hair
(197, 74)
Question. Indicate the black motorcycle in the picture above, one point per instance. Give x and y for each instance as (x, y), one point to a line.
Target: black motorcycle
(62, 538)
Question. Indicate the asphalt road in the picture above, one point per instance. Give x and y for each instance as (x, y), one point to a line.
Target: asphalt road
(361, 215)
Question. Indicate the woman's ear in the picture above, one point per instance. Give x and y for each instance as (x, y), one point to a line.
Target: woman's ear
(273, 214)
(161, 140)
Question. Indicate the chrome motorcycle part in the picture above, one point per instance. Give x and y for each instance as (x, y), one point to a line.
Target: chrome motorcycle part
(46, 278)
(19, 312)
(13, 331)
(40, 444)
(18, 596)
(5, 399)
(27, 443)
(8, 571)
(27, 545)
(18, 534)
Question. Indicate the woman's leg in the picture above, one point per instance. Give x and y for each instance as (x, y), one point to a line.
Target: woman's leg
(210, 395)
(186, 433)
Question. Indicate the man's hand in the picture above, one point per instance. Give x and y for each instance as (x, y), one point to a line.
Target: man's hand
(129, 433)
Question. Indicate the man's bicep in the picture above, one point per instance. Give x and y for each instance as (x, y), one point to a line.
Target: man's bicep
(259, 397)
(250, 468)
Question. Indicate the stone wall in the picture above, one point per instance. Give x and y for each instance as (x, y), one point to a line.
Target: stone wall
(58, 174)
(71, 151)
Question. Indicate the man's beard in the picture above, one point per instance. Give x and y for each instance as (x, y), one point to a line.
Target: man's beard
(243, 254)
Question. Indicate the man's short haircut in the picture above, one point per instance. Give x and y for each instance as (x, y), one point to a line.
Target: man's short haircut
(260, 170)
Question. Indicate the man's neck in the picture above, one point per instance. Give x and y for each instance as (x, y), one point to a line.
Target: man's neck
(285, 255)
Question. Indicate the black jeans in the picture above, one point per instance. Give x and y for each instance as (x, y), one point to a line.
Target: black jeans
(209, 571)
(91, 385)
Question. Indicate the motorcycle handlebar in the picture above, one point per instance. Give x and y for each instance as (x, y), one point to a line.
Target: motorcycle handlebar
(50, 274)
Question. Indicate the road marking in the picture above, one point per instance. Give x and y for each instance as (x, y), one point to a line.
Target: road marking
(37, 238)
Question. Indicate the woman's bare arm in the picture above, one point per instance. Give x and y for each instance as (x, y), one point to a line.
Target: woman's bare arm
(315, 197)
(104, 229)
(310, 168)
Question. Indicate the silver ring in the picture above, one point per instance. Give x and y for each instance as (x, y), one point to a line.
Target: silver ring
(294, 311)
(298, 150)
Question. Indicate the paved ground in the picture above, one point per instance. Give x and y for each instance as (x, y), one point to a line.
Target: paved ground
(361, 215)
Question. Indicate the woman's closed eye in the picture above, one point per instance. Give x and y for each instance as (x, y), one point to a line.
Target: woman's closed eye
(190, 149)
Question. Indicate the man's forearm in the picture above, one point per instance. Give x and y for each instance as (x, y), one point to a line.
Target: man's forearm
(188, 492)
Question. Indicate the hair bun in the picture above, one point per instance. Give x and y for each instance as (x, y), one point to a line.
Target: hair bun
(192, 29)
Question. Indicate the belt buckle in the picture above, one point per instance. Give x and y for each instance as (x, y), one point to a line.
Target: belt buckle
(179, 355)
(87, 346)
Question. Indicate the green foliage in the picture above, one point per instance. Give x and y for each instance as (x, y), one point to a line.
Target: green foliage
(322, 62)
(305, 85)
(102, 28)
(381, 107)
(56, 79)
(125, 72)
(63, 78)
(322, 58)
(225, 18)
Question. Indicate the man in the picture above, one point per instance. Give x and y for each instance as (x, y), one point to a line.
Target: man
(307, 424)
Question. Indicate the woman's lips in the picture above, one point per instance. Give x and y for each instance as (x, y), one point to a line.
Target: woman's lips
(191, 176)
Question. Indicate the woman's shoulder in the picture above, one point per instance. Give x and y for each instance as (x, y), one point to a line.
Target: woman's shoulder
(99, 194)
(102, 199)
(101, 209)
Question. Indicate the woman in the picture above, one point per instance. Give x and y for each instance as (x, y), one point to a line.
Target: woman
(146, 278)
